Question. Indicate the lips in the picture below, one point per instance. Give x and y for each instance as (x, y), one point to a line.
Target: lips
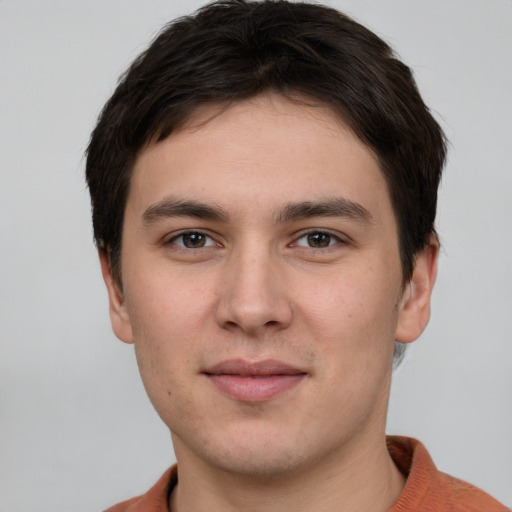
(254, 382)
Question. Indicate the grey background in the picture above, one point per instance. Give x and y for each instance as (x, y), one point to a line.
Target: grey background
(76, 429)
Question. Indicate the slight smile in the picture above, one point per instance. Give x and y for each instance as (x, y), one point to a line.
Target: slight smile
(254, 382)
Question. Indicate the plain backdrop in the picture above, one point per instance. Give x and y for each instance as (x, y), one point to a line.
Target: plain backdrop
(76, 429)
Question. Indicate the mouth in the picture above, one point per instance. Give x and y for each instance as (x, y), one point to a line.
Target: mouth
(254, 382)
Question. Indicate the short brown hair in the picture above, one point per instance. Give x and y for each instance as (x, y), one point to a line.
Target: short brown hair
(233, 50)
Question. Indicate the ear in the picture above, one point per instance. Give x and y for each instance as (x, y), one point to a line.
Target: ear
(119, 317)
(414, 307)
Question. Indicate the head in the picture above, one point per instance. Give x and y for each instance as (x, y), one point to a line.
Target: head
(264, 184)
(230, 51)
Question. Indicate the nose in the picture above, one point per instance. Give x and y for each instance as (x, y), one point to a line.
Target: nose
(253, 297)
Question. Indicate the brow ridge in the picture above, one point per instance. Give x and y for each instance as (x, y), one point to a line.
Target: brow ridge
(332, 207)
(171, 207)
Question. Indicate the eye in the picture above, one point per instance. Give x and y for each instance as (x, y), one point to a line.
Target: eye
(317, 240)
(192, 240)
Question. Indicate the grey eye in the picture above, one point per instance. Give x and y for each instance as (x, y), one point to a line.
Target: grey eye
(192, 240)
(317, 240)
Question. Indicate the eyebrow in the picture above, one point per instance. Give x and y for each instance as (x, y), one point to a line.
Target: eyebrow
(334, 207)
(179, 208)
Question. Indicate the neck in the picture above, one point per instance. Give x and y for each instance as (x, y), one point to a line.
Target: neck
(366, 480)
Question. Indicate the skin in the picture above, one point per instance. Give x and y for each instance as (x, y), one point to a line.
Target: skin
(321, 292)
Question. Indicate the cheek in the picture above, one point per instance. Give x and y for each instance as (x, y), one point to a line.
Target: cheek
(351, 307)
(165, 357)
(165, 306)
(166, 321)
(353, 321)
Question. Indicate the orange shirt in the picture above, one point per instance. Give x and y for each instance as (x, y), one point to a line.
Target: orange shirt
(426, 490)
(430, 490)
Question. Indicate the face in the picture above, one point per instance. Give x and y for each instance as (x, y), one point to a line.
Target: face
(262, 287)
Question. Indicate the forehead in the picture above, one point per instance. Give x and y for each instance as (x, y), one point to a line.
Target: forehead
(259, 150)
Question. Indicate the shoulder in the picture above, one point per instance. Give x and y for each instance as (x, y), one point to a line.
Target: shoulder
(125, 506)
(428, 489)
(155, 500)
(464, 497)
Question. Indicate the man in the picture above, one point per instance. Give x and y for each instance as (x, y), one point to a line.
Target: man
(264, 186)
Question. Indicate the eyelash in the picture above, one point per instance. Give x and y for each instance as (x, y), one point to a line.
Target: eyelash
(333, 239)
(183, 234)
(209, 241)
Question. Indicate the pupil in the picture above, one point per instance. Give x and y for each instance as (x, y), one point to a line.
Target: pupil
(319, 240)
(193, 240)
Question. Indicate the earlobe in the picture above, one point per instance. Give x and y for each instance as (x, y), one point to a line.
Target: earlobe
(119, 317)
(414, 307)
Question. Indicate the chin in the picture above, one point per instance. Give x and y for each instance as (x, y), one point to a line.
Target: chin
(260, 463)
(259, 454)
